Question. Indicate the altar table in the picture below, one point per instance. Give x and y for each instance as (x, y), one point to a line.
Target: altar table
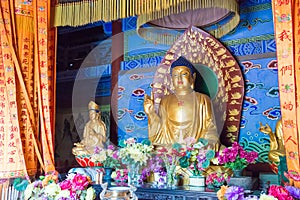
(150, 192)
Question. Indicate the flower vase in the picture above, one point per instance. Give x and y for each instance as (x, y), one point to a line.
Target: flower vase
(237, 172)
(198, 181)
(171, 176)
(238, 179)
(133, 174)
(108, 171)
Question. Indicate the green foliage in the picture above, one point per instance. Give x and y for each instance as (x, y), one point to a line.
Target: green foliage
(240, 163)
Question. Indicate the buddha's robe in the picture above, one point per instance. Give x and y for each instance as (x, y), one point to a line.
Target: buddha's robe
(183, 116)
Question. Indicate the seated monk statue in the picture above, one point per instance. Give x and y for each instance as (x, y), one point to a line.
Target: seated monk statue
(94, 133)
(276, 142)
(185, 113)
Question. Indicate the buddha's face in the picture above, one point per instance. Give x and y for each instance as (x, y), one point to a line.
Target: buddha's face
(182, 78)
(93, 114)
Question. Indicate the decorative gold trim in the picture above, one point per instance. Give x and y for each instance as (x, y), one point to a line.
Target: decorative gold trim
(89, 11)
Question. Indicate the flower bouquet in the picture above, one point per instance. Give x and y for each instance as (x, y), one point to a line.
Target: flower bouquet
(154, 172)
(216, 179)
(120, 176)
(75, 187)
(134, 155)
(107, 157)
(197, 157)
(171, 157)
(236, 158)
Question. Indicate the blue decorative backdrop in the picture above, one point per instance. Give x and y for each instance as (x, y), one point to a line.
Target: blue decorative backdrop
(132, 120)
(251, 42)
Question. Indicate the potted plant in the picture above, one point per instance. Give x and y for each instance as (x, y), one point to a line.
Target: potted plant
(236, 158)
(216, 179)
(196, 159)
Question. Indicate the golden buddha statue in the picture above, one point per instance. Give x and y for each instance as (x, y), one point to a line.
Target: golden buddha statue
(185, 113)
(94, 133)
(276, 141)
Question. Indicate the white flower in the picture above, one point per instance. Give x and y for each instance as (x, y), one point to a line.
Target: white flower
(90, 194)
(28, 191)
(63, 193)
(113, 175)
(52, 189)
(267, 197)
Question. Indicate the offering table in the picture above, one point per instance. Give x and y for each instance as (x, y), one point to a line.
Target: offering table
(150, 191)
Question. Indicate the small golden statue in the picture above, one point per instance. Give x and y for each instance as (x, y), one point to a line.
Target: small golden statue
(94, 133)
(185, 113)
(276, 141)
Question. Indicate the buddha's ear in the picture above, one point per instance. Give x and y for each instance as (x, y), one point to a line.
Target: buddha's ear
(194, 76)
(193, 80)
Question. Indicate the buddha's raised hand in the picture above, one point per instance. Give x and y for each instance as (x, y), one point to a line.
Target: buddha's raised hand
(149, 104)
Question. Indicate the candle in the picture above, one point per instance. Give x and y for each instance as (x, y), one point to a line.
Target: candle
(99, 177)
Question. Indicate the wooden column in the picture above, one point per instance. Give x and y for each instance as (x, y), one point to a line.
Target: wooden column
(117, 49)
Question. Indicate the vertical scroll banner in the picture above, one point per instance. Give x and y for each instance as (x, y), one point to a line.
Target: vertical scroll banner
(296, 19)
(11, 153)
(45, 63)
(287, 72)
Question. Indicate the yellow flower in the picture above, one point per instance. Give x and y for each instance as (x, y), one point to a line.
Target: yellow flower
(221, 192)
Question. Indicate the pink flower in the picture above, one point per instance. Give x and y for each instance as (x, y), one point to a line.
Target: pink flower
(190, 141)
(80, 182)
(66, 184)
(280, 192)
(130, 141)
(111, 147)
(236, 157)
(97, 150)
(115, 155)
